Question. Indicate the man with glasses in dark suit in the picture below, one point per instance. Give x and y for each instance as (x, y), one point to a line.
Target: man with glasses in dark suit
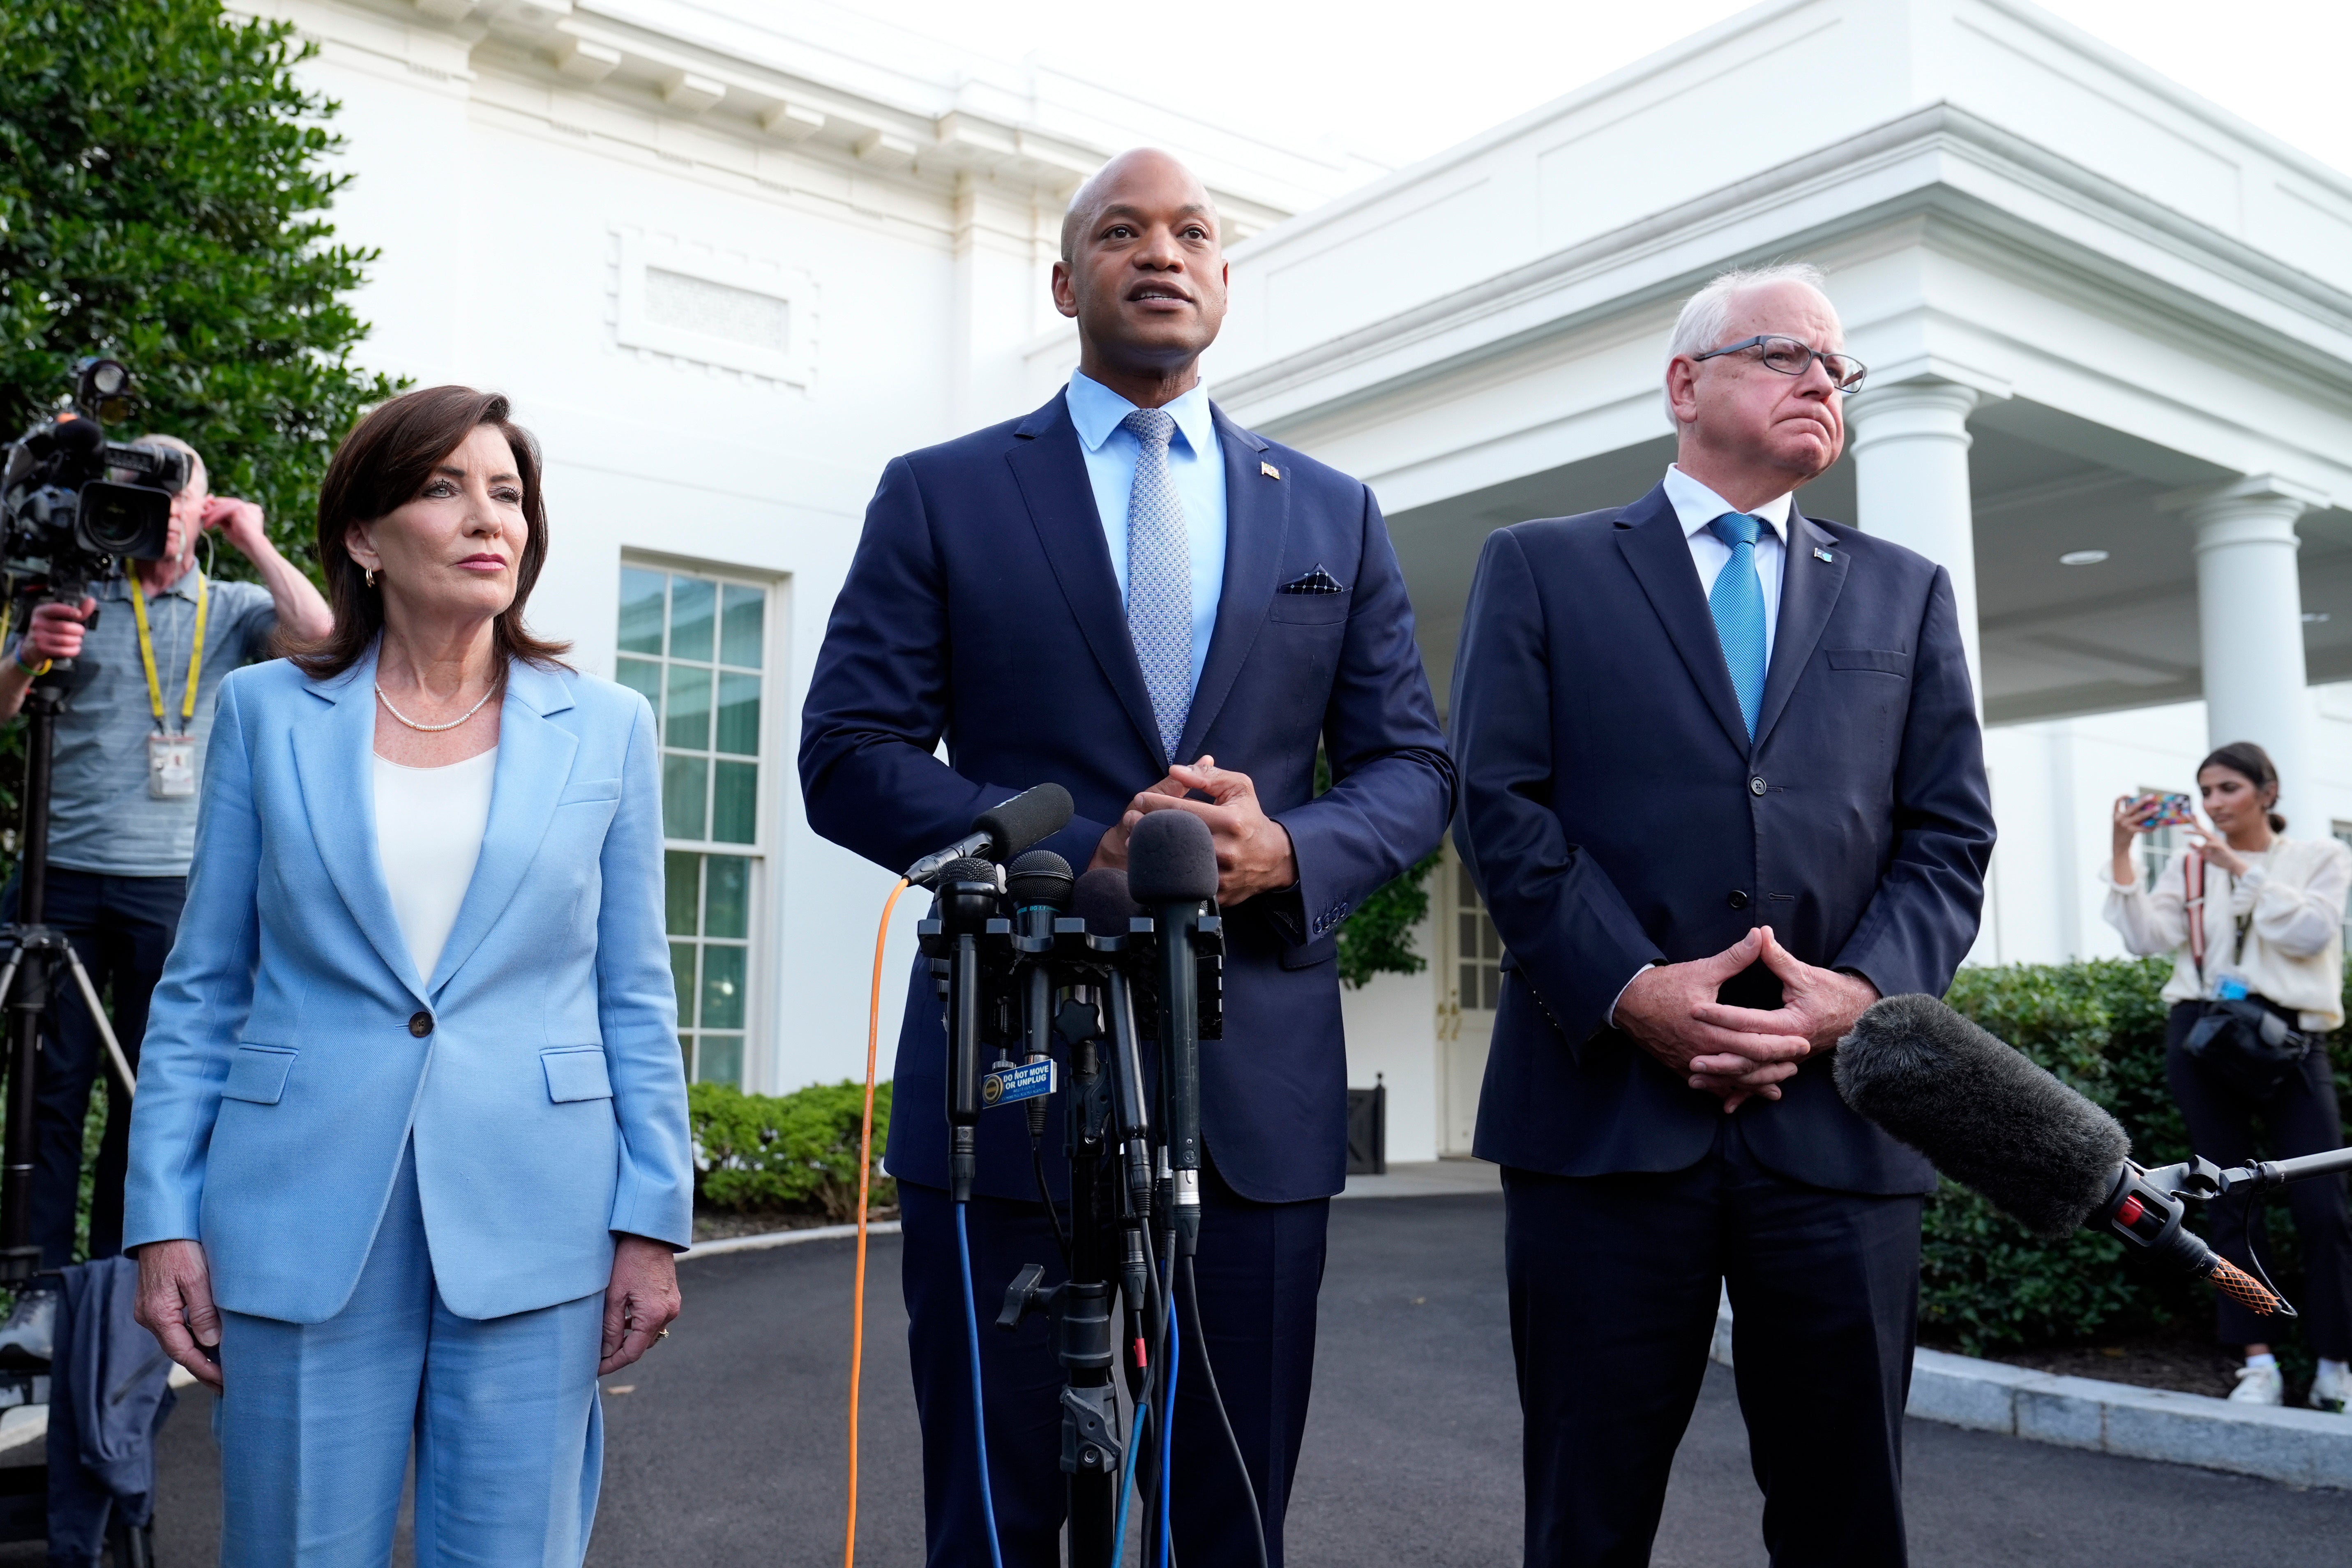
(1722, 787)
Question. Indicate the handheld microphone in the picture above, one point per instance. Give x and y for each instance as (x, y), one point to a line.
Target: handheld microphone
(1041, 884)
(1003, 831)
(1171, 870)
(1987, 1117)
(965, 900)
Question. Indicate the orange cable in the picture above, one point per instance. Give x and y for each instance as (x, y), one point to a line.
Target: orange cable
(864, 1187)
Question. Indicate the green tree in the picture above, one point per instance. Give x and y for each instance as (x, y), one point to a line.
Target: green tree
(164, 192)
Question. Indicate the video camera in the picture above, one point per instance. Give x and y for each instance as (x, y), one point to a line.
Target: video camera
(65, 524)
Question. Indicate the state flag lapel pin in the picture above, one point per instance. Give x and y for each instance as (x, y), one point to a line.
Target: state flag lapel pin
(1269, 470)
(1820, 553)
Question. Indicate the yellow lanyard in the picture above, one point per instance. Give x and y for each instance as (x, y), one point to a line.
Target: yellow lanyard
(147, 651)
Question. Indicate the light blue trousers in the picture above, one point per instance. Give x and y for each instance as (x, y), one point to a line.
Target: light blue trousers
(317, 1420)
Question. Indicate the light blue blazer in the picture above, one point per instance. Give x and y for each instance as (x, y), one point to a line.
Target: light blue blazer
(293, 1050)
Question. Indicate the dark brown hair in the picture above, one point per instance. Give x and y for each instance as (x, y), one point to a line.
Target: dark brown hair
(382, 465)
(2254, 765)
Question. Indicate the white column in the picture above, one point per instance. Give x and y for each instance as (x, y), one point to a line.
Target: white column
(2250, 616)
(1910, 445)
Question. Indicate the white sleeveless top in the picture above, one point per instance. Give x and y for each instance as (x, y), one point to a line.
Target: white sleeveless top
(428, 833)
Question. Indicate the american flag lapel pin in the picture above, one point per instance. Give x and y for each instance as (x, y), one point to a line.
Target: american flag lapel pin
(1269, 470)
(1820, 553)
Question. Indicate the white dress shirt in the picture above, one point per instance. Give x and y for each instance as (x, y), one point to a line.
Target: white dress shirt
(1695, 507)
(1196, 467)
(429, 824)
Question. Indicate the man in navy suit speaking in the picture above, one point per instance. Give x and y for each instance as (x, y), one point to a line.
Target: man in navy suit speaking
(1722, 787)
(1127, 593)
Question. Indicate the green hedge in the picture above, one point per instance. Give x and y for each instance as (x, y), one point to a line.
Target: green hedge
(797, 1151)
(1984, 1282)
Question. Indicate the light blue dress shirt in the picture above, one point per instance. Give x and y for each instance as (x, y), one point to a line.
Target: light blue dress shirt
(1695, 507)
(1196, 466)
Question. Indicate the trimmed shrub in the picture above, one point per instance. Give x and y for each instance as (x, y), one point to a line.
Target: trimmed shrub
(797, 1151)
(1984, 1282)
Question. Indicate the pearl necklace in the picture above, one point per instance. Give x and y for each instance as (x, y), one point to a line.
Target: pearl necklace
(430, 728)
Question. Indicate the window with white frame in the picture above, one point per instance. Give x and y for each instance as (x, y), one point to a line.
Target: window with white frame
(695, 644)
(1477, 945)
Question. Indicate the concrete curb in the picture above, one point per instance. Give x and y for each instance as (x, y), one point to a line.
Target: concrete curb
(2302, 1447)
(766, 1239)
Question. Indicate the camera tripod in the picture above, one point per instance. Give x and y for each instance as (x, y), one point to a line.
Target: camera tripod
(27, 984)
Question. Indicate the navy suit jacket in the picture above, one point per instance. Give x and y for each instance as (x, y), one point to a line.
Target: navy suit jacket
(982, 607)
(1615, 814)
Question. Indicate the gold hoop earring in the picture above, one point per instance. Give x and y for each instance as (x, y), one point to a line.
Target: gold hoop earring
(371, 576)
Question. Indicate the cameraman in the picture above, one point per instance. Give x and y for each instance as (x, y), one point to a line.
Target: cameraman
(129, 749)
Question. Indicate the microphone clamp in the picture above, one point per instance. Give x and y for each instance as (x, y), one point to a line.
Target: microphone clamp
(925, 871)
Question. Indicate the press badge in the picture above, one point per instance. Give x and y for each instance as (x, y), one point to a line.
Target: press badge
(171, 766)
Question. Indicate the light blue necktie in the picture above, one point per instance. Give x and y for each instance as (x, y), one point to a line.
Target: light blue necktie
(1737, 601)
(1160, 578)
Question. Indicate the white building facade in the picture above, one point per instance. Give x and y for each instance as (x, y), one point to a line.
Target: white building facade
(728, 260)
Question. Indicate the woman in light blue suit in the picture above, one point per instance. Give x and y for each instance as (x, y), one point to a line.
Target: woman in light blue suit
(411, 1113)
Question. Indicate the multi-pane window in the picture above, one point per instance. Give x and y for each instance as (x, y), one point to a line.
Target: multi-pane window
(696, 644)
(1477, 945)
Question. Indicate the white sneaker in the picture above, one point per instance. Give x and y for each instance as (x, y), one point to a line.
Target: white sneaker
(2331, 1393)
(2259, 1386)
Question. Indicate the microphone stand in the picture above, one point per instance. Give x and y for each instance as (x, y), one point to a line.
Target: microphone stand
(2148, 1209)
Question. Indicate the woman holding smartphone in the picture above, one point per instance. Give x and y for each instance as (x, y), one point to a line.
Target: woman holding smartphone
(2254, 923)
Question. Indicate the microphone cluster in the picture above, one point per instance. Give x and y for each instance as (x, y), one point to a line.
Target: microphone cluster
(1029, 960)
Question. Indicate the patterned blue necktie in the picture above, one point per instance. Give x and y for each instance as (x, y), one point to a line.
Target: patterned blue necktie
(1737, 601)
(1160, 578)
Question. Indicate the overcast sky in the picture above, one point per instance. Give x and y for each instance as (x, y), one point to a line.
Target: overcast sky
(1397, 81)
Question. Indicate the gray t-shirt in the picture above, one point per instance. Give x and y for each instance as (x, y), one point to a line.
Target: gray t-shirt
(101, 817)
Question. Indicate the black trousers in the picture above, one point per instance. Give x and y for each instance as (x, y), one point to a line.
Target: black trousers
(2300, 1119)
(122, 928)
(1259, 1269)
(1614, 1282)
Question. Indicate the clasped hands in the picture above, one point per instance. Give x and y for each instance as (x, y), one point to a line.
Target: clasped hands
(1254, 851)
(1739, 1053)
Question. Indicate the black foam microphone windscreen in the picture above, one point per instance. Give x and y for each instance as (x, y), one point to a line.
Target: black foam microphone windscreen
(1171, 860)
(1102, 900)
(1982, 1113)
(1014, 825)
(1040, 877)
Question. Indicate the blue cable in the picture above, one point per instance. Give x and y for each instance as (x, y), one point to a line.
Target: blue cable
(978, 1411)
(1127, 1481)
(1168, 1424)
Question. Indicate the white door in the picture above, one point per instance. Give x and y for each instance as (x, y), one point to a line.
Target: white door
(1470, 960)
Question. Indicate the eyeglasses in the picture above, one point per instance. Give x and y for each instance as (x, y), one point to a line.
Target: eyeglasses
(1791, 357)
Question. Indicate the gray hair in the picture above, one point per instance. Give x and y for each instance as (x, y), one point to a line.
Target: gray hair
(1707, 315)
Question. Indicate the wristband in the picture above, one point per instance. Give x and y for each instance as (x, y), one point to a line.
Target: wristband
(36, 671)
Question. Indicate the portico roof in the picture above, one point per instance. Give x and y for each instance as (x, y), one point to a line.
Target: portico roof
(2143, 294)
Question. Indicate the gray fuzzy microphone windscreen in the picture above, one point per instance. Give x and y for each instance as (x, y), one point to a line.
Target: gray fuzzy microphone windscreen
(1171, 860)
(1982, 1112)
